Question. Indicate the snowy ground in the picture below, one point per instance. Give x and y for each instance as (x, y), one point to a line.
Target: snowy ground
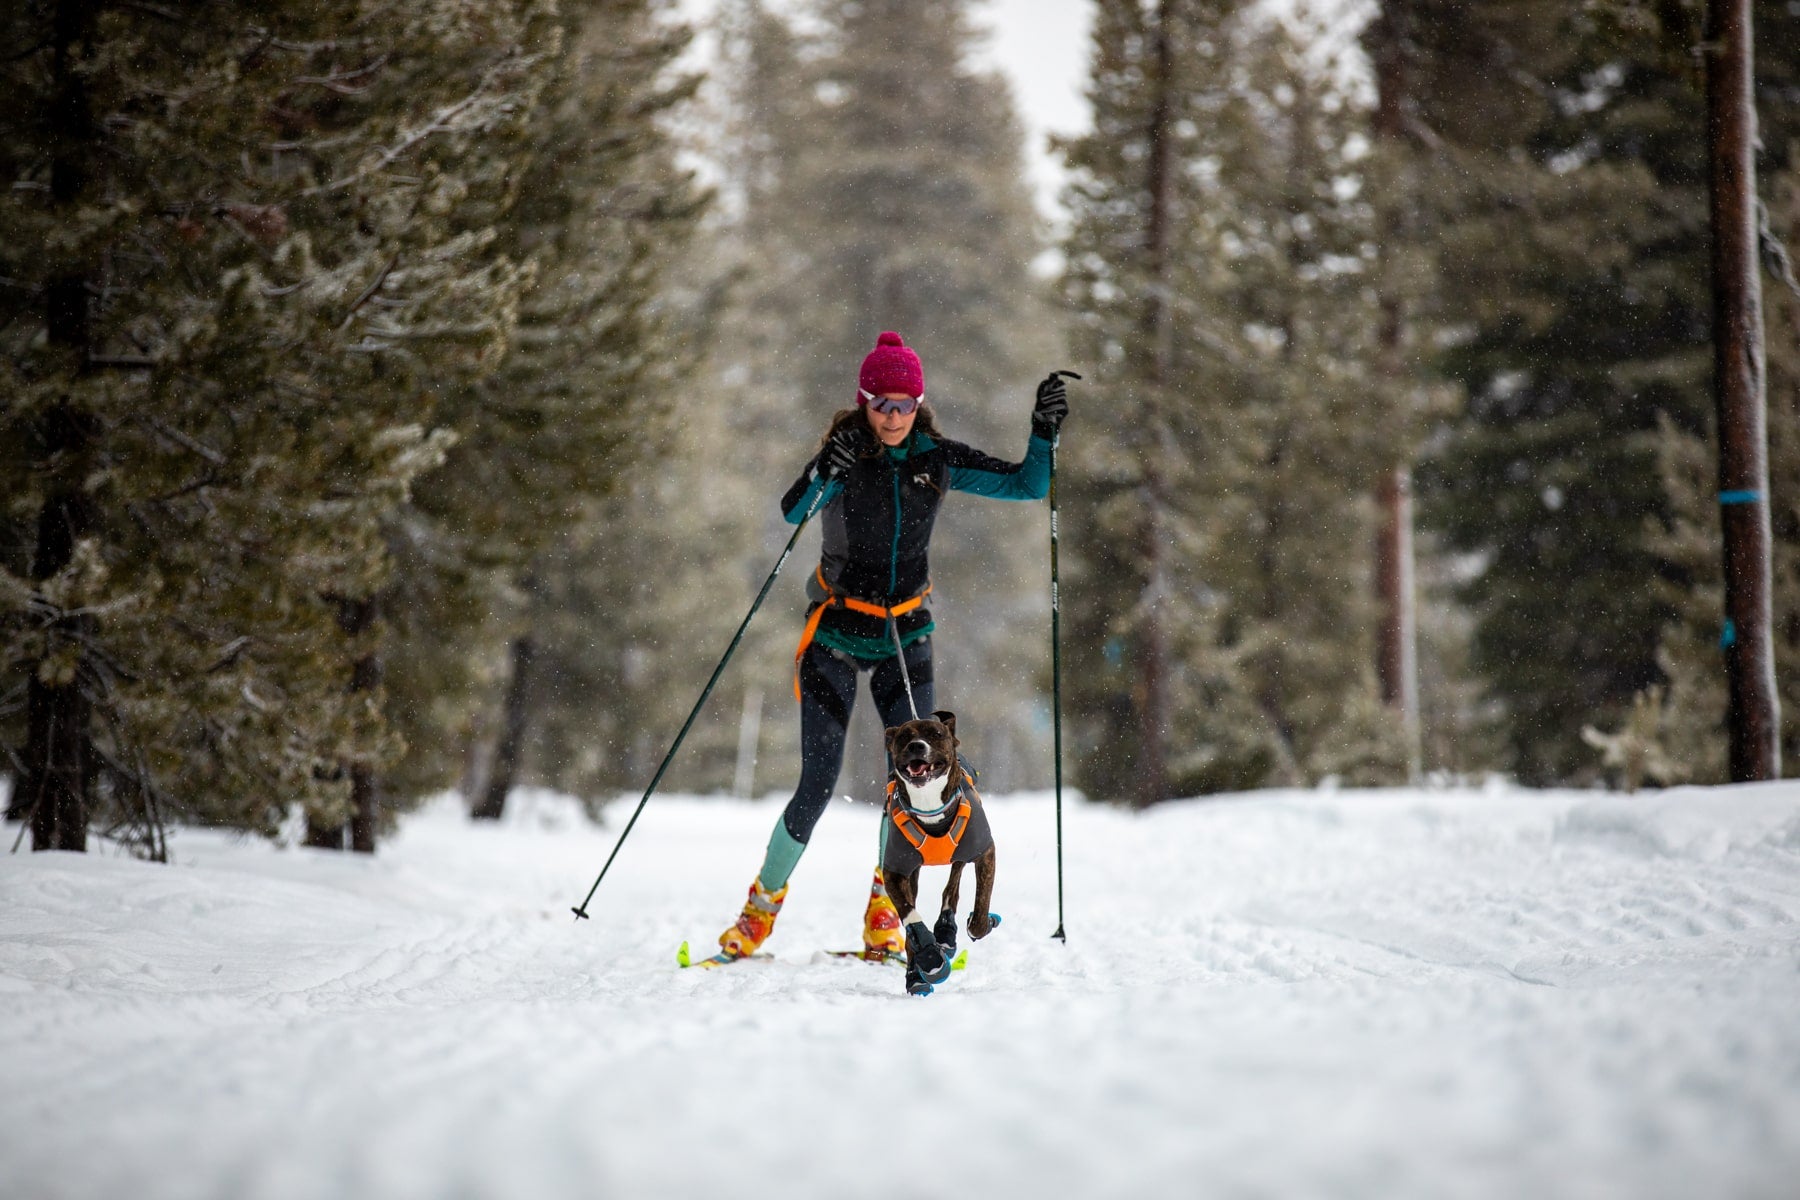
(1391, 994)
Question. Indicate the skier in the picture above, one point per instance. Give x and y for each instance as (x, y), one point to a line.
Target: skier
(883, 468)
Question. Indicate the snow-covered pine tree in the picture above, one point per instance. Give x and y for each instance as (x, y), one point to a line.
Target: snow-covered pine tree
(1219, 523)
(240, 250)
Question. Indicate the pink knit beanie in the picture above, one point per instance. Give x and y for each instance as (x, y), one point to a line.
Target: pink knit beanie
(891, 367)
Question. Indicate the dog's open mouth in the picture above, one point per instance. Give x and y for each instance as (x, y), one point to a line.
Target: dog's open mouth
(918, 771)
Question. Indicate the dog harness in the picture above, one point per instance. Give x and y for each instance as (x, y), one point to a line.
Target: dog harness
(938, 850)
(854, 605)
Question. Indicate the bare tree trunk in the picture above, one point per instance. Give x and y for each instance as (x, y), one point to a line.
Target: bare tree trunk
(57, 775)
(1396, 660)
(1397, 638)
(492, 805)
(1753, 713)
(1152, 691)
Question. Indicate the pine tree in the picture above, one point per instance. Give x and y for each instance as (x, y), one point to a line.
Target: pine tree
(874, 181)
(1226, 525)
(1693, 718)
(547, 439)
(1580, 252)
(242, 244)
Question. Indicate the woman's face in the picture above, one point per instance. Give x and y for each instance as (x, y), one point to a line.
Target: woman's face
(891, 428)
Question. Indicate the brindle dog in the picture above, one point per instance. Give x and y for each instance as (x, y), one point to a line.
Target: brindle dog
(937, 820)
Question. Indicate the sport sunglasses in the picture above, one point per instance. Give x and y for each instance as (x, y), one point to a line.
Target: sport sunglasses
(881, 404)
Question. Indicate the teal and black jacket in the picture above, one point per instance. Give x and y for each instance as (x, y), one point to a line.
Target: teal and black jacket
(876, 525)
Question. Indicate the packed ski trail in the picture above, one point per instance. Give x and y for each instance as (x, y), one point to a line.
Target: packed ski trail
(1371, 994)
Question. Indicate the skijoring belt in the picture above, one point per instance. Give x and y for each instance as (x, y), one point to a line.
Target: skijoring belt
(854, 605)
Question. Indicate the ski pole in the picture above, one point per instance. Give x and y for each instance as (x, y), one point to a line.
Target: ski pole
(581, 911)
(1056, 680)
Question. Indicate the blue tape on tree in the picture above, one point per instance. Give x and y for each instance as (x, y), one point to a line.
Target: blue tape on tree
(1747, 497)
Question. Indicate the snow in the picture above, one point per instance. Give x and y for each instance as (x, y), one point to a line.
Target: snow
(1490, 993)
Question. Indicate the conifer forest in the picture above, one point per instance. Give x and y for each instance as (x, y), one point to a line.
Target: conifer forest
(396, 397)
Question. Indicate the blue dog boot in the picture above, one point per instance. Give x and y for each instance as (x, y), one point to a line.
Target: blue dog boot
(915, 983)
(927, 957)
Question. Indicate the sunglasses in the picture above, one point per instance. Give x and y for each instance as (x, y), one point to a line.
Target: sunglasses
(881, 404)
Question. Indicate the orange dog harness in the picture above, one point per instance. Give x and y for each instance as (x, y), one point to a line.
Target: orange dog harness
(854, 605)
(936, 851)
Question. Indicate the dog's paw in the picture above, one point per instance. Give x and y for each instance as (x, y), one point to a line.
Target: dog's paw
(924, 955)
(945, 931)
(982, 924)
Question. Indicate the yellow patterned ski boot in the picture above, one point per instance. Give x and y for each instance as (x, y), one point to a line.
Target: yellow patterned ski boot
(881, 923)
(754, 924)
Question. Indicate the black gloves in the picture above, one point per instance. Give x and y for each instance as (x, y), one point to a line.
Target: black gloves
(842, 449)
(1052, 405)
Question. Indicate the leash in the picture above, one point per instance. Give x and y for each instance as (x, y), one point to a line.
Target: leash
(885, 611)
(581, 910)
(900, 654)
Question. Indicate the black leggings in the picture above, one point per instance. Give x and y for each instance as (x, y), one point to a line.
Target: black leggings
(827, 694)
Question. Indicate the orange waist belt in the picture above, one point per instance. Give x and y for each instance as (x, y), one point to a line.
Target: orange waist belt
(936, 851)
(854, 605)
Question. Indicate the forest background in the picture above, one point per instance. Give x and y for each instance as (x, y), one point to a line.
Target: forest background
(397, 396)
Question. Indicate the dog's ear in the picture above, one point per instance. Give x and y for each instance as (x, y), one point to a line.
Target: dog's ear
(947, 720)
(887, 737)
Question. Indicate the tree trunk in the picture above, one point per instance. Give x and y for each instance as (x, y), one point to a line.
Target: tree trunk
(1753, 711)
(1396, 659)
(57, 775)
(59, 756)
(492, 805)
(354, 617)
(1152, 691)
(323, 837)
(1397, 640)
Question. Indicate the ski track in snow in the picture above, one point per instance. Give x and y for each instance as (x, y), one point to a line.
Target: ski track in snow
(1357, 994)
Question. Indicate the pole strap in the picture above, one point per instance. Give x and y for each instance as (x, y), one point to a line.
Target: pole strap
(1746, 496)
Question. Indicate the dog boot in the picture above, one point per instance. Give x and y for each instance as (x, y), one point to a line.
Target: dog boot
(881, 923)
(925, 955)
(755, 923)
(915, 983)
(945, 932)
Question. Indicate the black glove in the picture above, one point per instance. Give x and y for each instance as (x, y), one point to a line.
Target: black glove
(1052, 405)
(842, 449)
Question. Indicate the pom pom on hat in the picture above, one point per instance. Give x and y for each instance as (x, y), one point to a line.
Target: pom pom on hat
(891, 367)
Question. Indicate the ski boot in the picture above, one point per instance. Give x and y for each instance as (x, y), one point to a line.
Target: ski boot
(924, 954)
(881, 923)
(754, 924)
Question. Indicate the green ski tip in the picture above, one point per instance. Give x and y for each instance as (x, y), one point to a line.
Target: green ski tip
(681, 955)
(962, 960)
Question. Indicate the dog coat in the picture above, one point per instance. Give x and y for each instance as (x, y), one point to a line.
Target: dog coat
(911, 846)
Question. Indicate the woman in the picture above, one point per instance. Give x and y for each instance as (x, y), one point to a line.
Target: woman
(878, 479)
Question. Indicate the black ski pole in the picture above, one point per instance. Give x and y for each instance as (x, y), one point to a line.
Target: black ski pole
(1056, 680)
(581, 911)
